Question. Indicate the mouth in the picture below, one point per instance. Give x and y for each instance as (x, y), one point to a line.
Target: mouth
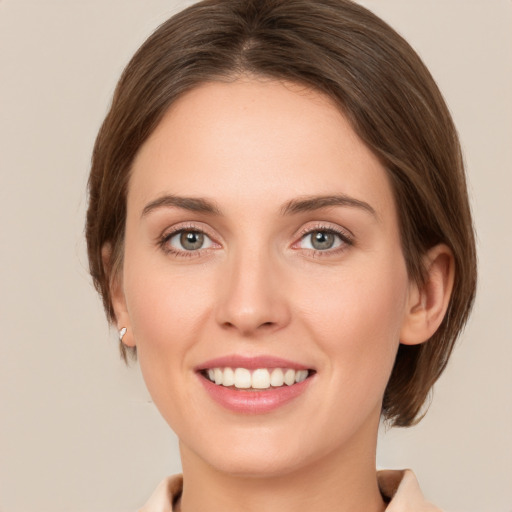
(257, 379)
(254, 385)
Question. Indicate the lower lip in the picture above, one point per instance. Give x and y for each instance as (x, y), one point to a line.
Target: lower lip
(253, 402)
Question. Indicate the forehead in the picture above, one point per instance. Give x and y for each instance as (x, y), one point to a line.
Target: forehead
(259, 141)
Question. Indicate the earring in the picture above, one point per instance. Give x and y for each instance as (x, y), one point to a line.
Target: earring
(122, 332)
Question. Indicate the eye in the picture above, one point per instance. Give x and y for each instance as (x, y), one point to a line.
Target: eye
(322, 240)
(188, 240)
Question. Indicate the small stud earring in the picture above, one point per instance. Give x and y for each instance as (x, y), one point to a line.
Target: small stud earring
(122, 332)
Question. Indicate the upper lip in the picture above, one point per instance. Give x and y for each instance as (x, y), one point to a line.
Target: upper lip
(250, 362)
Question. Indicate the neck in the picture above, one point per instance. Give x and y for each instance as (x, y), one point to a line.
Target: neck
(337, 482)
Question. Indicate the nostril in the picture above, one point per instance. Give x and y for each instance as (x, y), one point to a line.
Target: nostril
(264, 324)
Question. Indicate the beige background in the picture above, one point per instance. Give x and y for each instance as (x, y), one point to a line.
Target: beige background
(78, 431)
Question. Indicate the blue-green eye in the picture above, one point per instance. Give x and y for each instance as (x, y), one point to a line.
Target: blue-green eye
(189, 240)
(321, 240)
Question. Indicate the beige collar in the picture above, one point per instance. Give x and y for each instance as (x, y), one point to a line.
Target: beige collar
(405, 493)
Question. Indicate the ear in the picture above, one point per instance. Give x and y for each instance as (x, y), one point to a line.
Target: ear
(427, 305)
(117, 294)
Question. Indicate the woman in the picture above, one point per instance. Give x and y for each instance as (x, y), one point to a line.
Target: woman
(279, 227)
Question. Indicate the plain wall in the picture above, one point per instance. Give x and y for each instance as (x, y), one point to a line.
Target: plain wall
(78, 431)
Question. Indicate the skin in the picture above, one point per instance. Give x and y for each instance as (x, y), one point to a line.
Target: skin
(249, 148)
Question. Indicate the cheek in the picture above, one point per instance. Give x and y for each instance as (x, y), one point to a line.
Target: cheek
(357, 321)
(167, 307)
(167, 314)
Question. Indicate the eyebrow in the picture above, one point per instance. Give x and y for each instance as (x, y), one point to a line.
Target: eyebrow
(193, 204)
(306, 204)
(312, 203)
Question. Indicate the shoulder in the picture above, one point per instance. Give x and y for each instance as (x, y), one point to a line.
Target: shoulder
(404, 492)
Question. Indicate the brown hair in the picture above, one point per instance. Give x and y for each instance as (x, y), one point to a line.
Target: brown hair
(344, 51)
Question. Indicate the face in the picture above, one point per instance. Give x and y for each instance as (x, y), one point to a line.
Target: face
(262, 252)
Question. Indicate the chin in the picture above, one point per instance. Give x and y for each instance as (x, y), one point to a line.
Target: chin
(251, 466)
(254, 454)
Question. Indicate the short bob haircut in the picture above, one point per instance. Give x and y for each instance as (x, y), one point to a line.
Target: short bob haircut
(380, 84)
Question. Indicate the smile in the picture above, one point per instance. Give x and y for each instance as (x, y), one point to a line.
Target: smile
(257, 379)
(254, 385)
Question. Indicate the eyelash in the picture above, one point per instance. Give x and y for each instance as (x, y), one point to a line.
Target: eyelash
(163, 242)
(345, 237)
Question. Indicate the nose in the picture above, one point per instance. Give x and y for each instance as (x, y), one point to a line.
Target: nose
(253, 295)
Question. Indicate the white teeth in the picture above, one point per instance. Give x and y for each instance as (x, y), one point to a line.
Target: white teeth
(289, 377)
(277, 378)
(301, 375)
(261, 378)
(229, 377)
(218, 374)
(242, 378)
